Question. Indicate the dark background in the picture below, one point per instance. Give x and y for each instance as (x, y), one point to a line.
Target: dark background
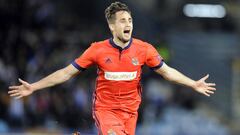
(40, 37)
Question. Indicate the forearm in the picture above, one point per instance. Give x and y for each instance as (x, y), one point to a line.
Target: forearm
(175, 76)
(53, 79)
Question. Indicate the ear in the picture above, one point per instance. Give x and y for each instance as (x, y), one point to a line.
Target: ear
(111, 26)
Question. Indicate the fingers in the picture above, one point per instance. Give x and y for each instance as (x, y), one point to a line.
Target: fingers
(12, 91)
(19, 97)
(205, 77)
(14, 94)
(17, 91)
(211, 92)
(23, 82)
(211, 84)
(211, 88)
(206, 94)
(13, 87)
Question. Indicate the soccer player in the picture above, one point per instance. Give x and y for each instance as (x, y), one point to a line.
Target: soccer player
(119, 60)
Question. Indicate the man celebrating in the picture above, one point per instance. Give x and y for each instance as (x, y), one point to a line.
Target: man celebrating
(119, 61)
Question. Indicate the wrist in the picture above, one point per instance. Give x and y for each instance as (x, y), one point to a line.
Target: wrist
(33, 87)
(193, 85)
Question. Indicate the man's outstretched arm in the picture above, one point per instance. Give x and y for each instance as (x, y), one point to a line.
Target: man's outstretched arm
(55, 78)
(173, 75)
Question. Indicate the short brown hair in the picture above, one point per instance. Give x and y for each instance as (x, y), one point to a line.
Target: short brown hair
(113, 8)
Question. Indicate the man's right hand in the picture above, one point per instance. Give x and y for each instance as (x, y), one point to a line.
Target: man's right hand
(20, 91)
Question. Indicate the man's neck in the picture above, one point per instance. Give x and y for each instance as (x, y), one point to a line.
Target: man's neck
(120, 43)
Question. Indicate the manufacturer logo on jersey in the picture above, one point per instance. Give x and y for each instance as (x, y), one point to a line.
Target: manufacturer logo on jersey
(108, 61)
(135, 61)
(111, 132)
(120, 76)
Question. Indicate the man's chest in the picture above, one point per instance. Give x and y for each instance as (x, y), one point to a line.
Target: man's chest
(125, 60)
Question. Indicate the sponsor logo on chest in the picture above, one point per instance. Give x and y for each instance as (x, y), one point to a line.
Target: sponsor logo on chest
(120, 76)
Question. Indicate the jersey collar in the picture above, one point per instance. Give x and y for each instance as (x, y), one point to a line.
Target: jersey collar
(118, 47)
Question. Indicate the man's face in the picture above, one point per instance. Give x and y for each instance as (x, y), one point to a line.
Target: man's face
(122, 26)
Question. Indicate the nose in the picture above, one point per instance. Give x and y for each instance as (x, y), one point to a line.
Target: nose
(128, 23)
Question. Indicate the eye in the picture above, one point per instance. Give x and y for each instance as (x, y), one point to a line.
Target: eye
(122, 20)
(130, 20)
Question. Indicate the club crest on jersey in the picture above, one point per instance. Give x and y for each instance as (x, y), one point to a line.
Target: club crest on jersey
(135, 61)
(111, 132)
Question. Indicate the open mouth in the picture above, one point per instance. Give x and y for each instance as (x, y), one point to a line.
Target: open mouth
(126, 31)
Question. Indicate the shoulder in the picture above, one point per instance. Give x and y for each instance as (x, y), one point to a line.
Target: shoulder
(97, 46)
(141, 43)
(100, 44)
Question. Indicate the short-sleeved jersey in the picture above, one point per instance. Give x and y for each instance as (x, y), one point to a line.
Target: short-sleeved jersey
(119, 72)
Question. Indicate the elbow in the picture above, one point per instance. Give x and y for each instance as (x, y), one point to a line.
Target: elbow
(62, 76)
(165, 75)
(66, 76)
(168, 75)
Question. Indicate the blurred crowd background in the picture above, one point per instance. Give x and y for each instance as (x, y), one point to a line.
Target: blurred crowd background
(38, 37)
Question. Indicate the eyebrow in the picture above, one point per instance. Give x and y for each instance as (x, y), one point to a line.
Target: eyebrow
(130, 18)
